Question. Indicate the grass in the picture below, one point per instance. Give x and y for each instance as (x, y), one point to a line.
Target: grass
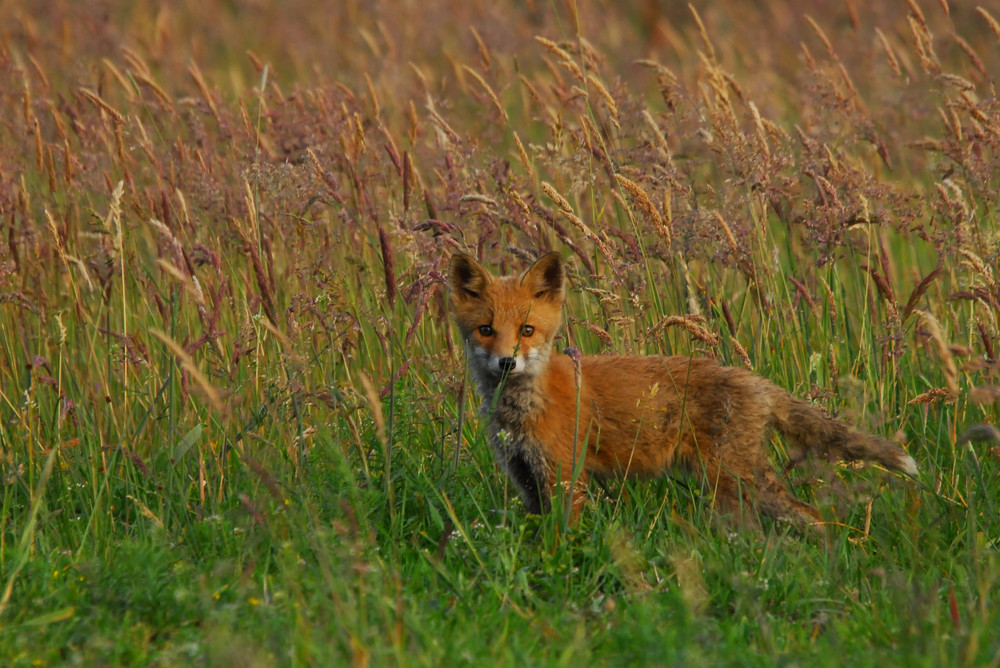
(234, 421)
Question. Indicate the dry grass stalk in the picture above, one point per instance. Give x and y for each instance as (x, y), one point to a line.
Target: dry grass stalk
(761, 133)
(994, 26)
(376, 407)
(566, 210)
(145, 142)
(729, 234)
(392, 151)
(718, 102)
(606, 96)
(123, 81)
(977, 62)
(182, 271)
(532, 91)
(388, 266)
(250, 248)
(952, 197)
(199, 81)
(35, 65)
(112, 222)
(27, 114)
(489, 91)
(961, 83)
(668, 208)
(520, 202)
(641, 200)
(57, 119)
(186, 281)
(564, 56)
(807, 55)
(923, 40)
(376, 107)
(442, 127)
(831, 303)
(482, 199)
(691, 323)
(604, 296)
(103, 106)
(917, 13)
(414, 123)
(484, 53)
(803, 292)
(848, 82)
(66, 258)
(282, 338)
(933, 327)
(742, 352)
(50, 168)
(325, 176)
(822, 36)
(606, 339)
(141, 73)
(932, 395)
(881, 280)
(979, 265)
(359, 141)
(664, 74)
(920, 289)
(596, 145)
(523, 155)
(889, 53)
(953, 123)
(39, 147)
(709, 49)
(187, 362)
(661, 140)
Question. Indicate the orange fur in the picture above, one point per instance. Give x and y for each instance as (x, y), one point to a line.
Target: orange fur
(621, 415)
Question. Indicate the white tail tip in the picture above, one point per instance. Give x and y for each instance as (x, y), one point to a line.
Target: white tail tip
(907, 465)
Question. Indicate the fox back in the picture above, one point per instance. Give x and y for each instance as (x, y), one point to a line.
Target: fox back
(555, 420)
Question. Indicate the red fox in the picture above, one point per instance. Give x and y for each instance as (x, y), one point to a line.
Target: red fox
(626, 415)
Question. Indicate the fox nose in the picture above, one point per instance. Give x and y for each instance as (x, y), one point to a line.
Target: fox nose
(507, 364)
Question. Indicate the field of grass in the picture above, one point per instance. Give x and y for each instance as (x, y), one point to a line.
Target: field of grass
(235, 422)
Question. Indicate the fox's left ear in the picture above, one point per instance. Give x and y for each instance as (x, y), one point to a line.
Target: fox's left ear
(546, 278)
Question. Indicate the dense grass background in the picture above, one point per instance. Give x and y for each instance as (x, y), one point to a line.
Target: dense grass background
(234, 421)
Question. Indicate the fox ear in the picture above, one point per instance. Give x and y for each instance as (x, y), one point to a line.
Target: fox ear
(546, 278)
(467, 278)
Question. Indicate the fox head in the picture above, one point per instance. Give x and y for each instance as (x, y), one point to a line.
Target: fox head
(507, 322)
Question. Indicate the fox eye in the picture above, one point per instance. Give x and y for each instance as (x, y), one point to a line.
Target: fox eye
(527, 330)
(486, 330)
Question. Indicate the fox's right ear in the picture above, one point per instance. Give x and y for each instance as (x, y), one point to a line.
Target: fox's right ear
(467, 278)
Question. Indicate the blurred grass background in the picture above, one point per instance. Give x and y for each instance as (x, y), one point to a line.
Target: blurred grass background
(234, 422)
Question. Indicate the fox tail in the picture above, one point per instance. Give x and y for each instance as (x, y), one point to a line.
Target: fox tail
(817, 433)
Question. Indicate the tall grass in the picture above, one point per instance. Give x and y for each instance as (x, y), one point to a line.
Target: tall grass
(234, 420)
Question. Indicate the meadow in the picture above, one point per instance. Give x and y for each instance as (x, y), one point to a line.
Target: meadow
(236, 426)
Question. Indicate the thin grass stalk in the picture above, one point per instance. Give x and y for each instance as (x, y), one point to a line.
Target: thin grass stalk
(25, 546)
